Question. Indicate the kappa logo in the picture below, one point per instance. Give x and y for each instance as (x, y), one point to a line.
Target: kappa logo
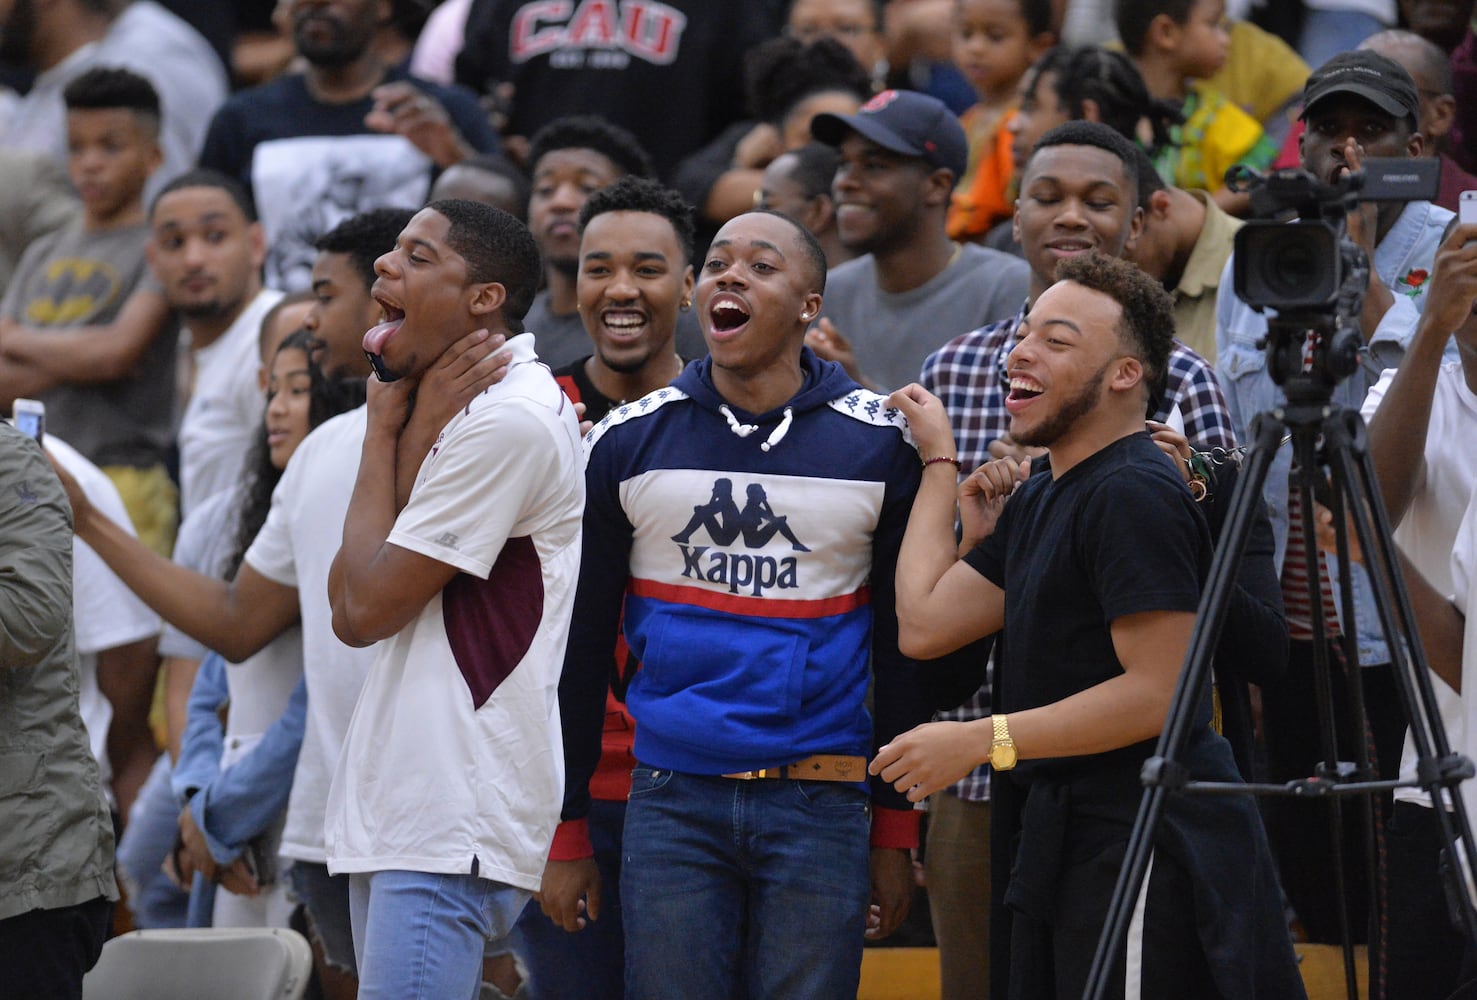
(725, 523)
(600, 34)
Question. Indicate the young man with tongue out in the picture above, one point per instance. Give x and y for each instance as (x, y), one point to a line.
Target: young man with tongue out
(1097, 603)
(741, 530)
(447, 791)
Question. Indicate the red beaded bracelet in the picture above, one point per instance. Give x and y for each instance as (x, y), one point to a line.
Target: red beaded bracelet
(944, 458)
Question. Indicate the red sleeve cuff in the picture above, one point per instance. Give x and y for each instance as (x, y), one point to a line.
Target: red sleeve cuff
(571, 841)
(895, 827)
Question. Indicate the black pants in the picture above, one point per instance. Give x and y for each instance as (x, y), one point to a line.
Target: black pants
(1299, 828)
(1428, 955)
(45, 953)
(1168, 949)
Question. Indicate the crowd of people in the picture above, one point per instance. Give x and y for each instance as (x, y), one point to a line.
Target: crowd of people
(606, 499)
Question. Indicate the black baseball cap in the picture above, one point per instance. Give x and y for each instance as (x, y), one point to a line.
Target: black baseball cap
(905, 122)
(1379, 80)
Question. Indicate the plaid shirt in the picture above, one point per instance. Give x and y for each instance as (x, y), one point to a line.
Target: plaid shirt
(968, 374)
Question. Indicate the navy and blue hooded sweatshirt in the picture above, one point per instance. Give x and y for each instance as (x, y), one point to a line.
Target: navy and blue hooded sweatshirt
(749, 560)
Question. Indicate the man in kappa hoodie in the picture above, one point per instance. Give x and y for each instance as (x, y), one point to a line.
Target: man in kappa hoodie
(745, 522)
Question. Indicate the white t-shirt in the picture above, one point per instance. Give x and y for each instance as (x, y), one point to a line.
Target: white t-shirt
(295, 548)
(225, 409)
(1464, 577)
(1428, 531)
(106, 612)
(454, 760)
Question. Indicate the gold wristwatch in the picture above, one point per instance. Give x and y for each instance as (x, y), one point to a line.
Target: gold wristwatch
(1002, 748)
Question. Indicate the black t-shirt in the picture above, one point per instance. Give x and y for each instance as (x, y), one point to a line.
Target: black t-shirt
(578, 387)
(1116, 535)
(284, 109)
(671, 73)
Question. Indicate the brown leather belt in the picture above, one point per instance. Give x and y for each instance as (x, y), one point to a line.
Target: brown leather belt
(820, 767)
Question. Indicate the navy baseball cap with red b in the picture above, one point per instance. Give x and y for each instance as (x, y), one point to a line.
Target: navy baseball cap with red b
(905, 122)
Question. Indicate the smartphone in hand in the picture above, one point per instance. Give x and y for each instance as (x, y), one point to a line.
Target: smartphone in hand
(1467, 208)
(30, 418)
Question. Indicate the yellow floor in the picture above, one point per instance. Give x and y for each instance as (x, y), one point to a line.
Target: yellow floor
(1323, 971)
(913, 973)
(900, 974)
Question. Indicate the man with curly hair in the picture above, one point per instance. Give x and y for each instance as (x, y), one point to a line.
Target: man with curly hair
(1102, 605)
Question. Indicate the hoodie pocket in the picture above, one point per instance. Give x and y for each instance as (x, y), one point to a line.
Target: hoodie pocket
(709, 680)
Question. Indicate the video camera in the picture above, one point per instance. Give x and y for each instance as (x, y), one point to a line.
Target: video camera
(1307, 270)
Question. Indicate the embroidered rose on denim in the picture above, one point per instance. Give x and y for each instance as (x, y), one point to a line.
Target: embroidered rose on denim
(1414, 281)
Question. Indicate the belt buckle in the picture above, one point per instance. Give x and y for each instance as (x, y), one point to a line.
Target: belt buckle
(763, 772)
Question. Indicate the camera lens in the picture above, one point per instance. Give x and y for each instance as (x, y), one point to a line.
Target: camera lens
(1290, 270)
(1287, 265)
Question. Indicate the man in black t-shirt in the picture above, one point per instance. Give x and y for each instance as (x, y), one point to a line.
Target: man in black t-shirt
(1103, 560)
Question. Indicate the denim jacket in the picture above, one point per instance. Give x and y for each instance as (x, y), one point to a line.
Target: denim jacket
(1403, 260)
(233, 805)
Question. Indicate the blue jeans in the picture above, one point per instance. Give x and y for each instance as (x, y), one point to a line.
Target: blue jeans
(761, 885)
(325, 898)
(421, 936)
(589, 964)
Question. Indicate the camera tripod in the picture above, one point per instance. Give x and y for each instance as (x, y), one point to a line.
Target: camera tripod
(1308, 414)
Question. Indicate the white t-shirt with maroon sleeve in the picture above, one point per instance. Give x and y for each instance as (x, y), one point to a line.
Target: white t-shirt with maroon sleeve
(453, 762)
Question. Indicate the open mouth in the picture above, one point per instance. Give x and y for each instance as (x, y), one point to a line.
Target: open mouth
(1023, 389)
(376, 338)
(728, 314)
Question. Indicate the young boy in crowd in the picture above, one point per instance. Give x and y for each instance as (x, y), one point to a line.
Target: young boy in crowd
(995, 43)
(1177, 45)
(82, 327)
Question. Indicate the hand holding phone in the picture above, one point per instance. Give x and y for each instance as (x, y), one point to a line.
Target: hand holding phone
(30, 418)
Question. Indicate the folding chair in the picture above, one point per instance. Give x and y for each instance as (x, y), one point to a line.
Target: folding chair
(214, 963)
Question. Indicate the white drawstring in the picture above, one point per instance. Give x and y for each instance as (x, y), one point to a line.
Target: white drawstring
(744, 430)
(779, 432)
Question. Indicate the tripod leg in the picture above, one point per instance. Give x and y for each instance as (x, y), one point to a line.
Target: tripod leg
(1305, 442)
(1372, 814)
